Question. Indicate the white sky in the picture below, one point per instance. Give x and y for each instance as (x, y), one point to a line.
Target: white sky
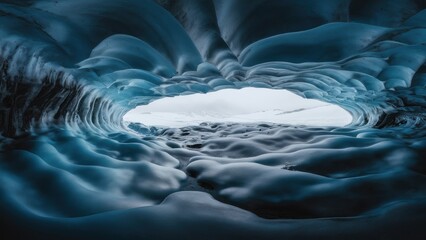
(239, 105)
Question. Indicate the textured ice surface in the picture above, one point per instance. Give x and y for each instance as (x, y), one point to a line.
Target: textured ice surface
(70, 168)
(245, 105)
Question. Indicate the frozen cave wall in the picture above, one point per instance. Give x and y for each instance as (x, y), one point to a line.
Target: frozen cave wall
(70, 70)
(367, 57)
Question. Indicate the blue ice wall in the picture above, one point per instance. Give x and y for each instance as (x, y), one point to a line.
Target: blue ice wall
(70, 168)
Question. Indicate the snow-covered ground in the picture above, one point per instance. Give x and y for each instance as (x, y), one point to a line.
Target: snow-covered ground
(239, 105)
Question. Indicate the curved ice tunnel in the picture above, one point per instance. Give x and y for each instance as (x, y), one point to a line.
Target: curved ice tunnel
(70, 71)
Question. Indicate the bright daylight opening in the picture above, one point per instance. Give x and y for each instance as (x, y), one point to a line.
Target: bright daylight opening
(239, 105)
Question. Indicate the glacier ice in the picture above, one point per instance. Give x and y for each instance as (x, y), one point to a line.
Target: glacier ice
(71, 168)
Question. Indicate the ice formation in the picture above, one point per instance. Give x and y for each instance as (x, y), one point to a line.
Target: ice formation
(70, 168)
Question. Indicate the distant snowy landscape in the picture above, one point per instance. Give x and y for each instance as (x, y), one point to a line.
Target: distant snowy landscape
(239, 105)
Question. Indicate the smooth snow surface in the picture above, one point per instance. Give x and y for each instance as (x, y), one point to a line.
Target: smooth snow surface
(239, 105)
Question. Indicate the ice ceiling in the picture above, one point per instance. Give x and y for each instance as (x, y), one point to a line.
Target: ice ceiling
(71, 169)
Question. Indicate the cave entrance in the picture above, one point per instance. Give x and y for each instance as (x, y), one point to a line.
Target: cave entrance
(239, 105)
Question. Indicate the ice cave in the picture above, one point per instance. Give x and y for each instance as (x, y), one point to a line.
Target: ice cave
(78, 161)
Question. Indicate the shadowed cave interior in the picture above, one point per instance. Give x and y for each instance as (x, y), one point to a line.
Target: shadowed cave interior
(71, 168)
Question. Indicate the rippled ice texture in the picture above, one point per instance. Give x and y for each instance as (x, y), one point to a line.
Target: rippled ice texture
(70, 168)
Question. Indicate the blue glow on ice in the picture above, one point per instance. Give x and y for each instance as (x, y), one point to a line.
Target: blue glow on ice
(70, 168)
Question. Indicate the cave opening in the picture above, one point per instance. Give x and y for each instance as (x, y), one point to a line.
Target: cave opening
(247, 105)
